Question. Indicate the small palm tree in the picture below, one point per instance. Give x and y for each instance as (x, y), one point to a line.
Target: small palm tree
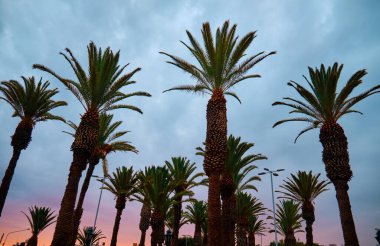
(322, 107)
(183, 174)
(96, 236)
(123, 186)
(108, 142)
(255, 226)
(32, 103)
(196, 213)
(98, 91)
(288, 220)
(304, 188)
(156, 193)
(246, 205)
(40, 218)
(169, 220)
(220, 68)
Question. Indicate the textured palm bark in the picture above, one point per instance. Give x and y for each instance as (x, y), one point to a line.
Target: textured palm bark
(32, 241)
(64, 225)
(144, 223)
(197, 235)
(336, 159)
(251, 239)
(157, 223)
(85, 142)
(120, 205)
(241, 235)
(20, 141)
(309, 216)
(290, 239)
(79, 208)
(177, 212)
(228, 209)
(215, 157)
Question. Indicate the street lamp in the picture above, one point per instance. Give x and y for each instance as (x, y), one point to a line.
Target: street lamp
(101, 179)
(168, 237)
(186, 237)
(273, 173)
(12, 233)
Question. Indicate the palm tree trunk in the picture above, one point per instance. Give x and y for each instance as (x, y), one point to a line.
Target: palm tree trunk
(20, 140)
(215, 157)
(177, 211)
(336, 159)
(144, 223)
(161, 236)
(197, 235)
(241, 236)
(32, 241)
(309, 216)
(64, 226)
(157, 223)
(142, 238)
(228, 218)
(79, 208)
(214, 216)
(5, 184)
(251, 239)
(120, 205)
(290, 239)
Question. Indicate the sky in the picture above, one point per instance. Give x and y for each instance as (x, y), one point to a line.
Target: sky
(304, 33)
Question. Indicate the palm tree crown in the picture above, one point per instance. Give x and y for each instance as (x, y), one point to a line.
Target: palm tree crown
(123, 182)
(96, 236)
(33, 101)
(323, 104)
(40, 218)
(219, 65)
(288, 217)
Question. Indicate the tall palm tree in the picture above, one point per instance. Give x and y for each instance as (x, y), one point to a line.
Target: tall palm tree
(322, 107)
(96, 236)
(108, 142)
(220, 68)
(288, 220)
(183, 174)
(233, 180)
(123, 186)
(40, 218)
(99, 91)
(255, 226)
(156, 193)
(196, 213)
(304, 188)
(246, 205)
(32, 103)
(145, 214)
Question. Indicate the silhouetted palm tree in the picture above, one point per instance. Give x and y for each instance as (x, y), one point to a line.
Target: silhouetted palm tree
(255, 226)
(220, 68)
(96, 236)
(32, 103)
(123, 184)
(196, 213)
(99, 91)
(322, 107)
(40, 218)
(304, 188)
(183, 174)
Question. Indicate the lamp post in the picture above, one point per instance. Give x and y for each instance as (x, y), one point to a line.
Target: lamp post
(12, 233)
(273, 173)
(168, 237)
(186, 236)
(100, 197)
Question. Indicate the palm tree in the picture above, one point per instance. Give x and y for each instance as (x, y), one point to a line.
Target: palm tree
(40, 218)
(255, 226)
(155, 192)
(322, 107)
(96, 236)
(220, 68)
(196, 213)
(145, 214)
(123, 186)
(304, 188)
(99, 91)
(288, 220)
(233, 180)
(169, 220)
(32, 103)
(246, 205)
(184, 176)
(107, 144)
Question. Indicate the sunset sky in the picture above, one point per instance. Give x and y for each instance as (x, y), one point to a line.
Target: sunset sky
(304, 33)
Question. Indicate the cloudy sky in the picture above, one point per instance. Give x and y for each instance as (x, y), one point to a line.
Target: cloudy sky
(304, 33)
